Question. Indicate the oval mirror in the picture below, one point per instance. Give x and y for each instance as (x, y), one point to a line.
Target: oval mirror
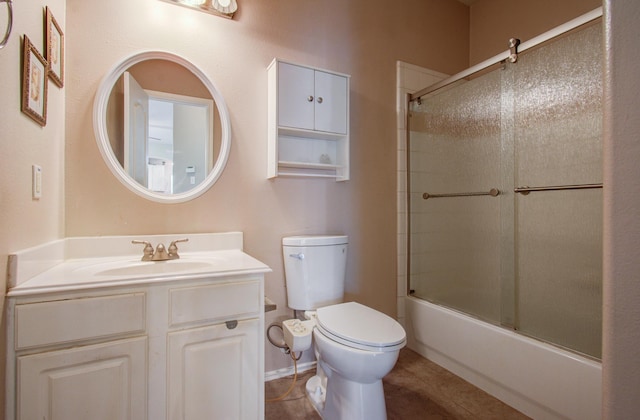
(162, 126)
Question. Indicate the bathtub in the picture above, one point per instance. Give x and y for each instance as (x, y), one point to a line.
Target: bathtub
(540, 380)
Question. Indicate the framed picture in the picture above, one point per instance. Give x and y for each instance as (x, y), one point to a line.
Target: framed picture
(55, 50)
(34, 83)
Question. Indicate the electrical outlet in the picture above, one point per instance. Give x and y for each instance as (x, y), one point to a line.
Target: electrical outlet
(36, 182)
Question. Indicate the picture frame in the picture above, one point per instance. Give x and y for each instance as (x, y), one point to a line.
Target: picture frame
(34, 83)
(55, 49)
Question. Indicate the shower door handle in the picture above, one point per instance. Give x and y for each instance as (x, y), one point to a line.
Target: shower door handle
(525, 190)
(493, 192)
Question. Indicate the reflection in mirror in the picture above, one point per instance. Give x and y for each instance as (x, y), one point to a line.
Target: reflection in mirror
(180, 142)
(164, 139)
(162, 127)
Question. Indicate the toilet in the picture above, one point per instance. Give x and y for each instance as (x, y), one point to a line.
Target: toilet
(355, 346)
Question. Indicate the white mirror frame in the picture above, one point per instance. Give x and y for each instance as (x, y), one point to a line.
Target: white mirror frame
(102, 137)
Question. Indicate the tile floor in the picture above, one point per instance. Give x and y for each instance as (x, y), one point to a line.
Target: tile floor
(415, 389)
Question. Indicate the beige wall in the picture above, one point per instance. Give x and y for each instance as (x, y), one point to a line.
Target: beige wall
(621, 337)
(25, 222)
(359, 37)
(493, 22)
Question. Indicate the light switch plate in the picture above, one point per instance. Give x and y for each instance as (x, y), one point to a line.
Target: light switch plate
(36, 182)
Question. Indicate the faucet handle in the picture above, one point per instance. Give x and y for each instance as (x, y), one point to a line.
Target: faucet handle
(147, 251)
(173, 248)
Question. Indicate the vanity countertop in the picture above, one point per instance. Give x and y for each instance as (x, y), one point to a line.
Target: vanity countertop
(60, 266)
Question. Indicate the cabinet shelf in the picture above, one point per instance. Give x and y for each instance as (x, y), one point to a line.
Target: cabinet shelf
(310, 170)
(309, 134)
(308, 122)
(306, 175)
(307, 165)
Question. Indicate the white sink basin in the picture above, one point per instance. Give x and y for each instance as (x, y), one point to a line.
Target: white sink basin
(129, 268)
(96, 262)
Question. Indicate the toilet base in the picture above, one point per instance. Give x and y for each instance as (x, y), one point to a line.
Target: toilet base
(316, 393)
(343, 399)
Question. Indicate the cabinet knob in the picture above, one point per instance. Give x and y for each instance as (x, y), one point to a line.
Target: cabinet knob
(310, 98)
(320, 99)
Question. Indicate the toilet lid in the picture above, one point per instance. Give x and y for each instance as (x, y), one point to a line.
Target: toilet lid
(359, 326)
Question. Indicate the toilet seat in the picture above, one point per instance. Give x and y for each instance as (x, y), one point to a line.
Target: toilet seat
(360, 327)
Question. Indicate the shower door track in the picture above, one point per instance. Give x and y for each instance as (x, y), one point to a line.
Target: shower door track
(572, 24)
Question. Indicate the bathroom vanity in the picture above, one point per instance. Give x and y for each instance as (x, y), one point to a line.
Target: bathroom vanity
(114, 337)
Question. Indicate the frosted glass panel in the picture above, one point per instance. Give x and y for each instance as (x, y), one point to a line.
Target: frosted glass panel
(558, 132)
(558, 111)
(534, 262)
(560, 268)
(455, 241)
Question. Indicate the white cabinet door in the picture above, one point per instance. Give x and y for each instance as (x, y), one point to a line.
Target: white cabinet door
(311, 99)
(295, 96)
(212, 373)
(331, 102)
(99, 382)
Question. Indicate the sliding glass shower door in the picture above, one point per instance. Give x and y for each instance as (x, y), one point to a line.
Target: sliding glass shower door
(558, 142)
(505, 213)
(455, 241)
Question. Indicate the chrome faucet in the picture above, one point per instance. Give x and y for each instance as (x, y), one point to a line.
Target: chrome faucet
(160, 253)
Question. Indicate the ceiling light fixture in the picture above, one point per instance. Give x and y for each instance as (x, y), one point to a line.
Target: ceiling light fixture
(224, 8)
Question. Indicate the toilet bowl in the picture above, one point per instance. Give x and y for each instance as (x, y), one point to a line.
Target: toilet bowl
(355, 346)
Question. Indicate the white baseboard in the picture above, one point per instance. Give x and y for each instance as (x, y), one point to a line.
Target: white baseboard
(288, 371)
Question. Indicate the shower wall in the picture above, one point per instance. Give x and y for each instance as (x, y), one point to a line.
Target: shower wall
(530, 262)
(410, 78)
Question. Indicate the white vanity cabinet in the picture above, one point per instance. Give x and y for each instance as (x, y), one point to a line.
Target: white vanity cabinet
(77, 356)
(212, 372)
(102, 381)
(214, 351)
(175, 350)
(308, 125)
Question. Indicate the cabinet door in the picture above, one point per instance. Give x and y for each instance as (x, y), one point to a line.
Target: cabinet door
(331, 103)
(295, 96)
(99, 382)
(213, 373)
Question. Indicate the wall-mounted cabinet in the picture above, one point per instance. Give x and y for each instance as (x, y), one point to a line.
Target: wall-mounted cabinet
(308, 122)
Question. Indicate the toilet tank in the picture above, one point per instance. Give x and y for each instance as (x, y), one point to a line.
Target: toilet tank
(315, 268)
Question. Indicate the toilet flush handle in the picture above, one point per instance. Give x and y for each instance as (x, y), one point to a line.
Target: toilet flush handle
(299, 256)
